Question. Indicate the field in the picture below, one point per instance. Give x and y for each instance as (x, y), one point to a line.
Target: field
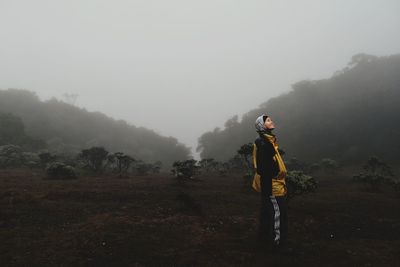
(152, 221)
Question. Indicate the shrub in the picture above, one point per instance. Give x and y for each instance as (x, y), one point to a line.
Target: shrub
(184, 170)
(11, 156)
(246, 152)
(46, 158)
(156, 167)
(375, 173)
(208, 165)
(94, 158)
(296, 165)
(299, 183)
(31, 160)
(121, 162)
(314, 167)
(59, 170)
(143, 168)
(329, 165)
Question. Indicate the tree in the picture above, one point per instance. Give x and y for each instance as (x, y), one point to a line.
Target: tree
(94, 158)
(375, 173)
(11, 156)
(207, 165)
(296, 165)
(59, 170)
(122, 162)
(12, 129)
(329, 165)
(156, 167)
(347, 97)
(184, 170)
(246, 152)
(46, 158)
(70, 98)
(143, 168)
(299, 183)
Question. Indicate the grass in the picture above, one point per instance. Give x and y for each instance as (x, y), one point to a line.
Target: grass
(152, 221)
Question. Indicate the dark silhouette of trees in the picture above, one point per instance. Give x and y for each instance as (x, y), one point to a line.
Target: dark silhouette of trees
(344, 118)
(375, 173)
(121, 161)
(94, 158)
(184, 170)
(12, 131)
(299, 183)
(69, 129)
(246, 152)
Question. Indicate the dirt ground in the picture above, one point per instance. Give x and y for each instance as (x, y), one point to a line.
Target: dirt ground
(152, 221)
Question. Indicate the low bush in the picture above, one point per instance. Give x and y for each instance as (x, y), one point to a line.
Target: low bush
(59, 170)
(299, 183)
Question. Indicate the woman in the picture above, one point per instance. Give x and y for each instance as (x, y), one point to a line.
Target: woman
(269, 179)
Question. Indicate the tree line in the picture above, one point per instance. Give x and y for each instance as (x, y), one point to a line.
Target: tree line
(60, 127)
(348, 117)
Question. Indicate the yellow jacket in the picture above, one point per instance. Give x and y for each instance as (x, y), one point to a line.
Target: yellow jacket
(278, 182)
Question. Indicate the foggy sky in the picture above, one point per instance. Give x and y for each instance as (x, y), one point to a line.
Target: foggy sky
(184, 67)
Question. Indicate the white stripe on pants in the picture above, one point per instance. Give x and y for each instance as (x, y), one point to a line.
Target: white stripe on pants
(276, 219)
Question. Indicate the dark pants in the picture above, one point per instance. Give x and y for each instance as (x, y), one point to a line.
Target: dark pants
(273, 220)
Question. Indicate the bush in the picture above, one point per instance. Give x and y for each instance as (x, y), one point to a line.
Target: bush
(375, 173)
(299, 183)
(208, 165)
(296, 165)
(31, 160)
(120, 162)
(11, 156)
(59, 170)
(46, 158)
(143, 168)
(94, 158)
(329, 165)
(184, 170)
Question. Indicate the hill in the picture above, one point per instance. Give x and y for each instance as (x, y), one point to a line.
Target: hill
(348, 117)
(68, 129)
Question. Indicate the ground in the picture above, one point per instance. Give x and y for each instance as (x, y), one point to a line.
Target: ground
(211, 221)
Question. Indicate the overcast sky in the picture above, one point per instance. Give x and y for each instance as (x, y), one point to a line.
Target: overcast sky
(183, 67)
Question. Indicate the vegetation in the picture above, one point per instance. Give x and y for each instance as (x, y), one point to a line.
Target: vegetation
(120, 162)
(11, 156)
(184, 170)
(329, 165)
(329, 118)
(94, 158)
(64, 128)
(128, 222)
(12, 131)
(375, 173)
(299, 183)
(208, 165)
(59, 170)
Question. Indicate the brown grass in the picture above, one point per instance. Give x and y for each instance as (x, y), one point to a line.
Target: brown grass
(151, 221)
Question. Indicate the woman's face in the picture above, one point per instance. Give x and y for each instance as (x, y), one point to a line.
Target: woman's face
(269, 124)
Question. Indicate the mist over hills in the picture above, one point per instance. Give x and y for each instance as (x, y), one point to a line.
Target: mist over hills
(68, 129)
(349, 117)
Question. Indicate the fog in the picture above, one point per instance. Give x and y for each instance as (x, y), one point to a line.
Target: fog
(184, 67)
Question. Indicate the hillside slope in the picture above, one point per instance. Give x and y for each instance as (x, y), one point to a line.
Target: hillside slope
(350, 116)
(67, 128)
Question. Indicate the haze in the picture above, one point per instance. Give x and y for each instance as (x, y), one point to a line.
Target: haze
(184, 67)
